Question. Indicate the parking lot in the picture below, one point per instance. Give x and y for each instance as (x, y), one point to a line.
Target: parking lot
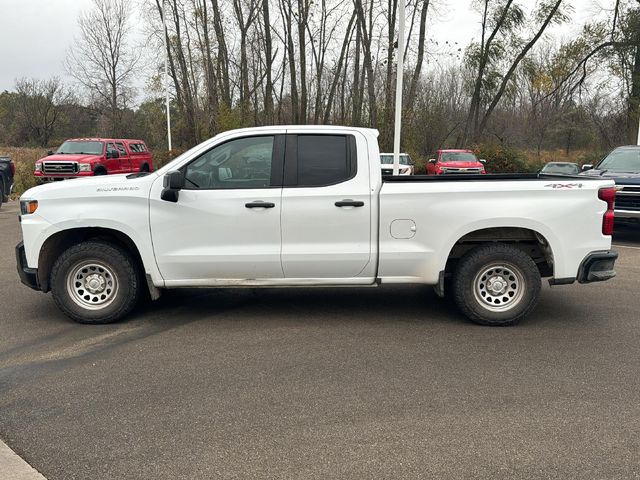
(387, 382)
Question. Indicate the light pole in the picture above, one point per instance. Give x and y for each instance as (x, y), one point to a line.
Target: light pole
(166, 76)
(399, 75)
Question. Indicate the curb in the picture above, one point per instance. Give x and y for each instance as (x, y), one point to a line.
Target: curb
(12, 467)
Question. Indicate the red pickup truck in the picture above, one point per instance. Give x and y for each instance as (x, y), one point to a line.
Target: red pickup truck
(455, 161)
(84, 157)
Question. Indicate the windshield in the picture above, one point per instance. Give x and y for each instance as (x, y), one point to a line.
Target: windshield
(458, 157)
(388, 159)
(622, 161)
(78, 147)
(567, 168)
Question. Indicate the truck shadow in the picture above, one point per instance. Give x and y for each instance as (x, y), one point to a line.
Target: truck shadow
(407, 304)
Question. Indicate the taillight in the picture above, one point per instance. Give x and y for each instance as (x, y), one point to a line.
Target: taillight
(608, 195)
(12, 166)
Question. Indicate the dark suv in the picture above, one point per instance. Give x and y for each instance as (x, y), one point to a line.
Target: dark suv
(7, 171)
(623, 166)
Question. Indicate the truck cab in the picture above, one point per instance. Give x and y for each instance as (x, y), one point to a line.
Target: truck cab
(455, 161)
(87, 157)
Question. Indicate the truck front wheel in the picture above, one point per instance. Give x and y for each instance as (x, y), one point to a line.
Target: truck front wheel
(496, 284)
(95, 282)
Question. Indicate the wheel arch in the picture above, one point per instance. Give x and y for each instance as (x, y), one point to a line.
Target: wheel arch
(99, 168)
(530, 240)
(62, 240)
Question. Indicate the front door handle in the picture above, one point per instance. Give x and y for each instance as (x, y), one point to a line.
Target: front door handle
(349, 203)
(259, 204)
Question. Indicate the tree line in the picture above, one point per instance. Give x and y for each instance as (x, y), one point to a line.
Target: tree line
(241, 63)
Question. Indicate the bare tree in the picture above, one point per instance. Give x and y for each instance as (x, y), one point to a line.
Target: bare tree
(40, 104)
(103, 59)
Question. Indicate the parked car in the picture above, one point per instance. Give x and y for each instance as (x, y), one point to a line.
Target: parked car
(305, 206)
(561, 168)
(386, 164)
(86, 157)
(7, 172)
(455, 161)
(623, 166)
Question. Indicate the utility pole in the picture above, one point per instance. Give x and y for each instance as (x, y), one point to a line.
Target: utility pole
(399, 75)
(166, 76)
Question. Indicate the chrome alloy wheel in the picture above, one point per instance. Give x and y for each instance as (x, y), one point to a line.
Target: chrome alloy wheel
(92, 285)
(499, 287)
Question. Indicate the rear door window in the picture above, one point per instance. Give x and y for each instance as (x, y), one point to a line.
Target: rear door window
(322, 160)
(121, 149)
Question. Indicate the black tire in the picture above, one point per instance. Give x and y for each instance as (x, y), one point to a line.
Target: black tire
(100, 171)
(1, 193)
(104, 264)
(144, 167)
(496, 284)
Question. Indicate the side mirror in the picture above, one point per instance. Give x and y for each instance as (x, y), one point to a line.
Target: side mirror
(482, 160)
(586, 167)
(172, 182)
(49, 153)
(432, 160)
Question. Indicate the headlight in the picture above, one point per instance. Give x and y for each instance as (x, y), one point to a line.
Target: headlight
(84, 167)
(28, 207)
(38, 167)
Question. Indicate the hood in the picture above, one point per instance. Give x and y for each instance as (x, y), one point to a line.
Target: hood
(618, 177)
(71, 157)
(102, 185)
(458, 164)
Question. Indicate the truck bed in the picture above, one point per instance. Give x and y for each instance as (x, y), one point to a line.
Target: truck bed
(473, 177)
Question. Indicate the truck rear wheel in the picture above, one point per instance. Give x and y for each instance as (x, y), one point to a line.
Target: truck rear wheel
(496, 284)
(95, 282)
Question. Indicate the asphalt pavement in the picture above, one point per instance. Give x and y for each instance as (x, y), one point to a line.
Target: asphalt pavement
(387, 382)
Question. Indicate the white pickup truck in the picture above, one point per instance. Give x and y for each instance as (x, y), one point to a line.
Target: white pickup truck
(298, 206)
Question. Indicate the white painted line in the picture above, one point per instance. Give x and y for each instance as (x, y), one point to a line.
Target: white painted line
(626, 246)
(12, 467)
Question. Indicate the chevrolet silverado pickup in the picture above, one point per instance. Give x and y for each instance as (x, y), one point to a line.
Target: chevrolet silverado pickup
(455, 161)
(308, 206)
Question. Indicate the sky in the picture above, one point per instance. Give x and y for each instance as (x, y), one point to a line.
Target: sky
(35, 34)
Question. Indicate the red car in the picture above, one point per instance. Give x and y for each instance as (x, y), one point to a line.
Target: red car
(455, 161)
(84, 157)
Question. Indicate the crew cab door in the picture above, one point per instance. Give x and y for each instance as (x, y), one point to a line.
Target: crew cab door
(125, 158)
(225, 226)
(112, 158)
(326, 208)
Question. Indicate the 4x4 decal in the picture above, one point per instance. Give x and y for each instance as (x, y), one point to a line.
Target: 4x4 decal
(564, 185)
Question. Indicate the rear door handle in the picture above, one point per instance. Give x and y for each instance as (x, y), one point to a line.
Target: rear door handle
(349, 203)
(259, 204)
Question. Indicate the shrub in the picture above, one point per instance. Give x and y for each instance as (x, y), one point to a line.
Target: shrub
(504, 159)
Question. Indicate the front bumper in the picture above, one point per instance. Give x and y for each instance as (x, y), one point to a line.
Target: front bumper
(28, 276)
(597, 267)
